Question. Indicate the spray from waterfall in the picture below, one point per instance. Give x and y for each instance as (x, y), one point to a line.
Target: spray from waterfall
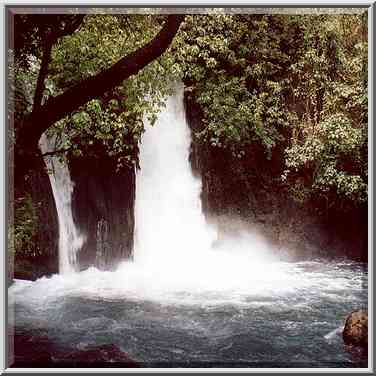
(170, 225)
(189, 296)
(176, 250)
(70, 240)
(178, 257)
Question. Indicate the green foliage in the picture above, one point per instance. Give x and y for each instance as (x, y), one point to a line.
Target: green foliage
(32, 32)
(236, 68)
(100, 129)
(21, 87)
(328, 150)
(113, 123)
(333, 157)
(296, 83)
(24, 228)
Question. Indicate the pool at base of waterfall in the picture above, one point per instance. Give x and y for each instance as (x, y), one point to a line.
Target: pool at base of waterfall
(286, 324)
(192, 297)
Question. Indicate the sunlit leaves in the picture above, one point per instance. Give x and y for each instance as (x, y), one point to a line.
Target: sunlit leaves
(115, 120)
(328, 151)
(234, 64)
(294, 81)
(334, 153)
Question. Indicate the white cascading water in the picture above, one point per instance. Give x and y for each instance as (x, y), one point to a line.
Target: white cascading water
(70, 240)
(170, 226)
(174, 247)
(178, 258)
(188, 295)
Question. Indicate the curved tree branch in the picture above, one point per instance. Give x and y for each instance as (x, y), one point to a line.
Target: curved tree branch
(56, 108)
(57, 151)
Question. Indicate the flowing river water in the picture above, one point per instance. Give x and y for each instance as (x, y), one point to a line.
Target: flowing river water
(187, 299)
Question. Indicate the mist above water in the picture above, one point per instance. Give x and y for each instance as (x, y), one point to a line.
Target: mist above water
(178, 258)
(189, 297)
(176, 250)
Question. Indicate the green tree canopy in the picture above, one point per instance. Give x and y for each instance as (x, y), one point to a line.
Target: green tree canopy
(297, 83)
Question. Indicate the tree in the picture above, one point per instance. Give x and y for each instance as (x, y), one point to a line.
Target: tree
(281, 83)
(110, 125)
(90, 99)
(55, 108)
(292, 85)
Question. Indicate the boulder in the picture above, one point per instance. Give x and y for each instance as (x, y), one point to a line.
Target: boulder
(355, 331)
(31, 349)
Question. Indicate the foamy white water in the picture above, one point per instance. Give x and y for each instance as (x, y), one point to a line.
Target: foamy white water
(184, 300)
(334, 333)
(170, 226)
(70, 240)
(175, 260)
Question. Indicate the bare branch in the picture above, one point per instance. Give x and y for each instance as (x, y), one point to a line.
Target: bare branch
(46, 58)
(57, 151)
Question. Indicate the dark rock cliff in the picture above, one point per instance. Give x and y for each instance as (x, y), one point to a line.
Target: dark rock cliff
(249, 191)
(103, 210)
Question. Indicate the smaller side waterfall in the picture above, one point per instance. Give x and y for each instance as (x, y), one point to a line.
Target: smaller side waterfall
(70, 240)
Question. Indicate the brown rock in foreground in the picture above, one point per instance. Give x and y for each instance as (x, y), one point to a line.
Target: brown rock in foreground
(100, 354)
(36, 349)
(356, 329)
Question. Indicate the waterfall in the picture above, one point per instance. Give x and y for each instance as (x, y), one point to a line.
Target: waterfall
(70, 240)
(169, 219)
(176, 250)
(179, 258)
(190, 297)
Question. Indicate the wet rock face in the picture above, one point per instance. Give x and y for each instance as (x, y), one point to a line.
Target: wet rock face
(103, 210)
(355, 331)
(249, 190)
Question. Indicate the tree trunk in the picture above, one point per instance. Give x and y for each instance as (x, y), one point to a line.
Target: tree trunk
(56, 108)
